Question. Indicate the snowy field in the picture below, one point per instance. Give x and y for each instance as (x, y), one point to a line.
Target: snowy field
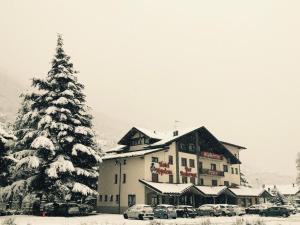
(108, 219)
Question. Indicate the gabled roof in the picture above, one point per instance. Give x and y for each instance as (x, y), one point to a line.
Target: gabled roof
(213, 190)
(131, 154)
(167, 188)
(146, 132)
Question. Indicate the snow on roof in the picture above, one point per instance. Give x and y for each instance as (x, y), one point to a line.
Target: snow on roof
(130, 154)
(170, 136)
(167, 188)
(216, 190)
(287, 189)
(116, 148)
(150, 133)
(246, 191)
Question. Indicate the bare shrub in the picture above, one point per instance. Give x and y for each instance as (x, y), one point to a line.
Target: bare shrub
(9, 221)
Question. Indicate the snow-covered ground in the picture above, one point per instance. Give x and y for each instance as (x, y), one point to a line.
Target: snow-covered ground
(109, 219)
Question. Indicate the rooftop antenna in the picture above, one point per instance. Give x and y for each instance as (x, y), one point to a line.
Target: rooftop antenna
(175, 132)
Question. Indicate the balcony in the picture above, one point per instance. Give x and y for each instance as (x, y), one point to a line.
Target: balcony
(211, 155)
(211, 172)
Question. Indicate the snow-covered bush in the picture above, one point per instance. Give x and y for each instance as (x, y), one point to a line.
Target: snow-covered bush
(9, 221)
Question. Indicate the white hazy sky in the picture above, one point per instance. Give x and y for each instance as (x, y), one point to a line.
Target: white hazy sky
(232, 66)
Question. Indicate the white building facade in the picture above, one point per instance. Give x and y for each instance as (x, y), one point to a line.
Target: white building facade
(191, 167)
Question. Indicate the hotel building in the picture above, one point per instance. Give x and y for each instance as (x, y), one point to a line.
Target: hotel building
(190, 167)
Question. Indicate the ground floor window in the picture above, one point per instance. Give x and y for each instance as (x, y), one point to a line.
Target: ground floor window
(117, 198)
(154, 177)
(201, 181)
(131, 200)
(171, 179)
(154, 200)
(192, 180)
(214, 183)
(226, 183)
(184, 180)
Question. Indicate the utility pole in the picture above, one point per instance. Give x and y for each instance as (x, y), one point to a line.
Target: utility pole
(119, 162)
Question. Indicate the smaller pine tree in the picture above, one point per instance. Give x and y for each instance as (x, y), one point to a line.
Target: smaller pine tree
(5, 160)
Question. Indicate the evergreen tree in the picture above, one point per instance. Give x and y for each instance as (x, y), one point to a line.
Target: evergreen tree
(5, 159)
(56, 151)
(278, 198)
(244, 181)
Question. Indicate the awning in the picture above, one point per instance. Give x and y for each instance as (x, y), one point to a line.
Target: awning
(214, 191)
(171, 189)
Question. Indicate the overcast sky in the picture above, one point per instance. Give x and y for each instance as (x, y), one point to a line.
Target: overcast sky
(232, 66)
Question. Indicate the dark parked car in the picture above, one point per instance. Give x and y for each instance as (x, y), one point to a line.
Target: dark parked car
(165, 211)
(61, 209)
(255, 209)
(2, 212)
(186, 211)
(276, 211)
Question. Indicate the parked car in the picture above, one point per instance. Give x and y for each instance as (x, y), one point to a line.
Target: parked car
(165, 211)
(186, 211)
(291, 208)
(226, 210)
(237, 210)
(209, 210)
(275, 211)
(255, 209)
(2, 212)
(139, 212)
(61, 209)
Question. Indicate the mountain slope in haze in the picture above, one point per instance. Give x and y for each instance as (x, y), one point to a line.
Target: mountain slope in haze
(10, 91)
(257, 177)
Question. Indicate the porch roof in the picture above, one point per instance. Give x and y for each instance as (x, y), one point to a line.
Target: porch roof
(248, 192)
(169, 189)
(213, 190)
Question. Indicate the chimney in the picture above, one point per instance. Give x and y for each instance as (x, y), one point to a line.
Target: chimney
(175, 133)
(293, 185)
(263, 186)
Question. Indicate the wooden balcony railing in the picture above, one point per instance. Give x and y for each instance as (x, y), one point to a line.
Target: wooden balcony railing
(211, 172)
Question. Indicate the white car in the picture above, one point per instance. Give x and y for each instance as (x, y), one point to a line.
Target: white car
(139, 212)
(238, 211)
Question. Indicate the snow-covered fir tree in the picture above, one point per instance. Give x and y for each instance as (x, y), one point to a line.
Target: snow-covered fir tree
(56, 151)
(298, 169)
(5, 159)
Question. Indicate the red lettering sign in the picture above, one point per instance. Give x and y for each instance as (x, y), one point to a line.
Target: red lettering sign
(188, 173)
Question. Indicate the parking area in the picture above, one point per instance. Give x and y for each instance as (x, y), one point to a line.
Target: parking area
(113, 219)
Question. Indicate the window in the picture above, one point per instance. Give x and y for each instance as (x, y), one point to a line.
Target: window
(192, 163)
(225, 168)
(105, 198)
(213, 167)
(232, 170)
(146, 141)
(124, 162)
(100, 198)
(124, 178)
(171, 179)
(183, 162)
(154, 177)
(170, 159)
(200, 165)
(192, 180)
(236, 171)
(201, 181)
(131, 200)
(111, 198)
(191, 147)
(184, 180)
(214, 183)
(117, 198)
(155, 159)
(226, 183)
(116, 178)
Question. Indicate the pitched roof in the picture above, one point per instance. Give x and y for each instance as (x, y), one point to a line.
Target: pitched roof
(131, 154)
(167, 188)
(247, 192)
(148, 133)
(233, 145)
(212, 190)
